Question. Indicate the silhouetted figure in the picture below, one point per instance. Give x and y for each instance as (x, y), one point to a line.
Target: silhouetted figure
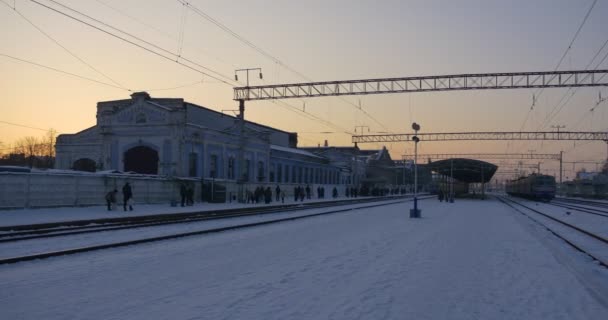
(267, 195)
(277, 191)
(111, 199)
(127, 194)
(183, 192)
(189, 195)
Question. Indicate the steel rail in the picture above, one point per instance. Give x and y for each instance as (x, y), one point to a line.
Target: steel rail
(129, 224)
(182, 235)
(509, 203)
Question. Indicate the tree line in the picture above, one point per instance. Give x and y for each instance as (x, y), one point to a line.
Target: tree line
(30, 151)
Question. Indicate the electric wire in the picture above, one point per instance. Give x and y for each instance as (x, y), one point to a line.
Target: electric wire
(61, 71)
(266, 54)
(65, 48)
(148, 49)
(175, 58)
(580, 27)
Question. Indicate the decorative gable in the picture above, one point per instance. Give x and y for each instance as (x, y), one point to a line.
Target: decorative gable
(142, 113)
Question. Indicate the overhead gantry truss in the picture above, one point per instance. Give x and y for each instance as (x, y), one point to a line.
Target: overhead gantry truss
(550, 135)
(487, 156)
(514, 80)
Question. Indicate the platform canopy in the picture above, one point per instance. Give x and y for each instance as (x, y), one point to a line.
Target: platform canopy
(465, 170)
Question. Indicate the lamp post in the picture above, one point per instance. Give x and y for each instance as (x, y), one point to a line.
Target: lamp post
(415, 213)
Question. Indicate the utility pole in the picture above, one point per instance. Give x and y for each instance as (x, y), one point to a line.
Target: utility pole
(241, 179)
(415, 213)
(451, 180)
(561, 170)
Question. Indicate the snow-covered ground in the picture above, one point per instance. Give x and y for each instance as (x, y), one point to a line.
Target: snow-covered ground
(468, 260)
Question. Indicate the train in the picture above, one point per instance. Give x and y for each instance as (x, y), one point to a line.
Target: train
(595, 187)
(535, 186)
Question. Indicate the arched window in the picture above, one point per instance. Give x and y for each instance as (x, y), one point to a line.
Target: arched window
(141, 118)
(84, 164)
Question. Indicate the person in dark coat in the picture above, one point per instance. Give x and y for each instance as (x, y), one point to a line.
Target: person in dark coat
(183, 192)
(440, 195)
(267, 195)
(334, 193)
(111, 199)
(277, 191)
(296, 193)
(189, 195)
(307, 192)
(127, 194)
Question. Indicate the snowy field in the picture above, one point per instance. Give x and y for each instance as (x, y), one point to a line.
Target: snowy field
(468, 260)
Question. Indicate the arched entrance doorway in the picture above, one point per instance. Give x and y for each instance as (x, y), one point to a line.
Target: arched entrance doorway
(141, 159)
(84, 164)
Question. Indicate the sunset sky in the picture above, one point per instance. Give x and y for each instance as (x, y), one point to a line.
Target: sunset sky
(321, 41)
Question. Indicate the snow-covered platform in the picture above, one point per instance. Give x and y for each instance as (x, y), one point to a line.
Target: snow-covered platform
(47, 215)
(471, 259)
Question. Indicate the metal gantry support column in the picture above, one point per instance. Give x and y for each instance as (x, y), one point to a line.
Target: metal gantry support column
(561, 170)
(241, 164)
(452, 181)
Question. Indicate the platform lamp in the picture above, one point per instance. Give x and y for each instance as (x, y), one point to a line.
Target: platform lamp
(415, 213)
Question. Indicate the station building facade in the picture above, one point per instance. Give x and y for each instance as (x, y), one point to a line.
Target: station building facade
(175, 138)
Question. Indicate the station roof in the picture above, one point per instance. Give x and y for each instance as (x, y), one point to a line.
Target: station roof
(465, 170)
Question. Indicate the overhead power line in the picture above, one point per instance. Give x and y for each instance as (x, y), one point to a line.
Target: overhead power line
(22, 125)
(145, 45)
(580, 27)
(65, 48)
(274, 59)
(61, 71)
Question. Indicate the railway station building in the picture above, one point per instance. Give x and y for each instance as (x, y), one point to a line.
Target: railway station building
(174, 138)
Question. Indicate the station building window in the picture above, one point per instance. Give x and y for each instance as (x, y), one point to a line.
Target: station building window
(260, 171)
(271, 172)
(231, 167)
(247, 170)
(287, 173)
(213, 166)
(192, 161)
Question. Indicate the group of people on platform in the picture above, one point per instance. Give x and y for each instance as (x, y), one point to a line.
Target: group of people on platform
(127, 198)
(258, 195)
(186, 192)
(300, 193)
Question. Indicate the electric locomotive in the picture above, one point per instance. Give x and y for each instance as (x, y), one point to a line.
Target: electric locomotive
(535, 186)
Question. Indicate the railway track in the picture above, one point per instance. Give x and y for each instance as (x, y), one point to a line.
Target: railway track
(585, 202)
(365, 203)
(64, 228)
(579, 245)
(594, 211)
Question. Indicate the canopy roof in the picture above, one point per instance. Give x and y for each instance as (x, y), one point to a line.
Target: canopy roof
(465, 170)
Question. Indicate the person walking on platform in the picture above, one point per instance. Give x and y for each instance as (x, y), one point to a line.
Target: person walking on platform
(183, 192)
(127, 194)
(440, 195)
(277, 191)
(111, 199)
